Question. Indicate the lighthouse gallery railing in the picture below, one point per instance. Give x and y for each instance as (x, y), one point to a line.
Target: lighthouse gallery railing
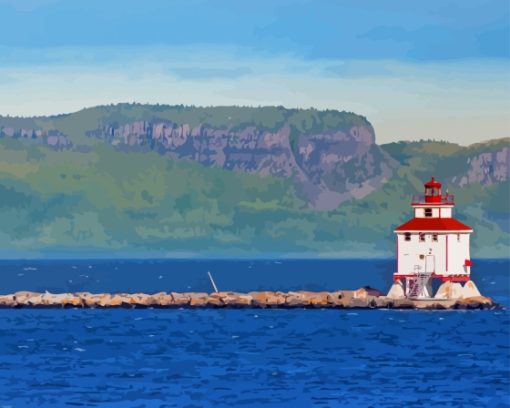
(444, 199)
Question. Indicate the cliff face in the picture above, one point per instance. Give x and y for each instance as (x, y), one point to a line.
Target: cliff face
(52, 138)
(329, 167)
(486, 167)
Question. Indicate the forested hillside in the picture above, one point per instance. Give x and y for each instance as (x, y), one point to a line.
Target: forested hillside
(138, 180)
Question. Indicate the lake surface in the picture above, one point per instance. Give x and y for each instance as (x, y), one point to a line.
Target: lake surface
(252, 358)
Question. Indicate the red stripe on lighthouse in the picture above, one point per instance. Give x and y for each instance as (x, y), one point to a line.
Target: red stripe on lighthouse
(447, 253)
(397, 253)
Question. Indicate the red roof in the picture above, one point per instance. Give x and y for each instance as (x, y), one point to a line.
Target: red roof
(433, 183)
(433, 224)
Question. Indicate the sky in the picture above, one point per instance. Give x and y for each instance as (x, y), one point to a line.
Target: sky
(434, 69)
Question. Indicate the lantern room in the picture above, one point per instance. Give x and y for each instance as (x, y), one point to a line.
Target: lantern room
(433, 195)
(432, 191)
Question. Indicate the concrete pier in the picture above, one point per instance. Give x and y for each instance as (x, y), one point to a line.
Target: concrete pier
(363, 298)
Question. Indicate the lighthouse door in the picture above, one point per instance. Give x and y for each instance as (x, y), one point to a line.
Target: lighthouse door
(430, 264)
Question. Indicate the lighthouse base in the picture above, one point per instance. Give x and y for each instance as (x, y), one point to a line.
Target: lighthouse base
(454, 290)
(420, 288)
(397, 290)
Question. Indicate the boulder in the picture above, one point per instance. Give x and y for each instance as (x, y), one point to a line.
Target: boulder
(7, 301)
(305, 299)
(267, 298)
(118, 299)
(234, 299)
(162, 299)
(230, 299)
(214, 300)
(476, 302)
(180, 299)
(89, 299)
(60, 299)
(382, 302)
(449, 290)
(296, 299)
(359, 302)
(336, 298)
(397, 290)
(470, 290)
(366, 291)
(37, 299)
(347, 298)
(74, 300)
(317, 299)
(139, 300)
(402, 303)
(244, 300)
(198, 299)
(226, 298)
(102, 299)
(434, 304)
(22, 297)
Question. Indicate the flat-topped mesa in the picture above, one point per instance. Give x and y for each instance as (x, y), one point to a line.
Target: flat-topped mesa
(329, 156)
(365, 298)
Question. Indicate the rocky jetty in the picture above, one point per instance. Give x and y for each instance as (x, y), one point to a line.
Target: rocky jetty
(366, 298)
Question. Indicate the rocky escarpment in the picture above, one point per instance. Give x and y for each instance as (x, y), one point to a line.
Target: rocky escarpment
(329, 166)
(364, 298)
(53, 138)
(330, 156)
(486, 167)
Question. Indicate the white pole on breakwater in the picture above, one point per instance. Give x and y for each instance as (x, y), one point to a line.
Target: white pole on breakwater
(212, 281)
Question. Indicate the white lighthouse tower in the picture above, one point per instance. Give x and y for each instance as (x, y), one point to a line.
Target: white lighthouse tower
(432, 245)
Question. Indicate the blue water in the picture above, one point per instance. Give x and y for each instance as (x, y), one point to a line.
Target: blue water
(252, 358)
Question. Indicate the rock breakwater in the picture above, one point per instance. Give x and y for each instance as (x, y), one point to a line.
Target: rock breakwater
(365, 297)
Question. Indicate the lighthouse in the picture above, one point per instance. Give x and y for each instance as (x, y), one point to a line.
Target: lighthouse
(432, 246)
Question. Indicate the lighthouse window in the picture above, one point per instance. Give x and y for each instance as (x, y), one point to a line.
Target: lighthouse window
(407, 236)
(422, 237)
(428, 212)
(434, 237)
(458, 237)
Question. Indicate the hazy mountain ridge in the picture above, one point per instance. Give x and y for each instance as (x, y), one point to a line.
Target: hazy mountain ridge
(156, 179)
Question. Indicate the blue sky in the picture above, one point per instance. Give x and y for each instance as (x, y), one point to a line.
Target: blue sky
(431, 69)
